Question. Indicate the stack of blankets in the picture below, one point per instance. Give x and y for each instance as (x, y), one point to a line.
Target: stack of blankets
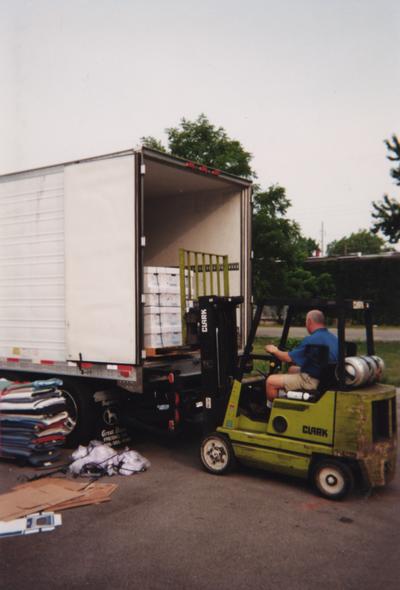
(33, 421)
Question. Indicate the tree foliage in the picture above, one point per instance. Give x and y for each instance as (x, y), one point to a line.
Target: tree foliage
(280, 250)
(387, 212)
(153, 143)
(201, 141)
(362, 241)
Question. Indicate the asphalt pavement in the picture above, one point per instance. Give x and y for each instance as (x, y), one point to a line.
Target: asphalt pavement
(178, 527)
(381, 334)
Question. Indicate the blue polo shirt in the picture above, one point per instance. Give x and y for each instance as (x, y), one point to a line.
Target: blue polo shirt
(323, 337)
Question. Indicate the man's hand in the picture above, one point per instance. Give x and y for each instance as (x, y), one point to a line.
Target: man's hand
(272, 349)
(281, 355)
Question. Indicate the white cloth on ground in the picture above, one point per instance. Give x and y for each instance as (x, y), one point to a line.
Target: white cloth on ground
(125, 462)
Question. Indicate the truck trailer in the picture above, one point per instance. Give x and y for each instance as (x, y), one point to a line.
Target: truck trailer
(77, 243)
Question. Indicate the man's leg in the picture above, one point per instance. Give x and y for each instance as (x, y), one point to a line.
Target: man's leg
(273, 384)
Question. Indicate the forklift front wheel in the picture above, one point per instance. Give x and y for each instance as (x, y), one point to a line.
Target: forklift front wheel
(333, 479)
(216, 454)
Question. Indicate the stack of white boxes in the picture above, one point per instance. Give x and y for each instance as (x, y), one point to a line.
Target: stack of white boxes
(162, 311)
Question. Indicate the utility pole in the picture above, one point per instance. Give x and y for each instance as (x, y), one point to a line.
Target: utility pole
(322, 239)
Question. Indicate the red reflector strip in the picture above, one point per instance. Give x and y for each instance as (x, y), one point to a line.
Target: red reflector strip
(177, 416)
(203, 168)
(216, 172)
(47, 362)
(12, 360)
(171, 378)
(190, 164)
(86, 365)
(124, 370)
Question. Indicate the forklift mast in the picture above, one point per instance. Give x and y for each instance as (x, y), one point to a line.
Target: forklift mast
(219, 354)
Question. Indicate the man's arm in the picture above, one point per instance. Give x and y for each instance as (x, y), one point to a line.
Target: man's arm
(282, 355)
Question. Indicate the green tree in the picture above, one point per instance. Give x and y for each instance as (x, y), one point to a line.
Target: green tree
(201, 141)
(153, 143)
(308, 246)
(362, 241)
(280, 250)
(304, 284)
(387, 211)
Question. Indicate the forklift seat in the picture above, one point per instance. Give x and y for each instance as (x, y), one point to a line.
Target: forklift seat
(328, 375)
(328, 379)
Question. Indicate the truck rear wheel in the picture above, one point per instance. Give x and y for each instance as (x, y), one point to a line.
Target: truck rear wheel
(216, 454)
(81, 410)
(333, 479)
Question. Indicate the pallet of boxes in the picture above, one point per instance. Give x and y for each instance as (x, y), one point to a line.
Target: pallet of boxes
(162, 307)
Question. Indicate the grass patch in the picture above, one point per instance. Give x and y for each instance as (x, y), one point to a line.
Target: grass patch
(389, 351)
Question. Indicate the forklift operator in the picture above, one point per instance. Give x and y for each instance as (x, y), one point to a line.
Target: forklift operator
(303, 375)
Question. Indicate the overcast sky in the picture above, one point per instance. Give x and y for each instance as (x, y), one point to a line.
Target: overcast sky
(310, 87)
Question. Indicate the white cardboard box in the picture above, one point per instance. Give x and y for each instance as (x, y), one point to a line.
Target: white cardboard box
(159, 320)
(163, 340)
(162, 300)
(159, 279)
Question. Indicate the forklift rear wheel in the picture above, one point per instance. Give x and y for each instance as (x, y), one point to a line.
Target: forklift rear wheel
(216, 454)
(333, 479)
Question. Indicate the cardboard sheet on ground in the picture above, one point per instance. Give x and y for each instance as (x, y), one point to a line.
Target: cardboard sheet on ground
(51, 494)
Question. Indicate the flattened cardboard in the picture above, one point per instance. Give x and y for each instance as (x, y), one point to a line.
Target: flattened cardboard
(52, 494)
(24, 501)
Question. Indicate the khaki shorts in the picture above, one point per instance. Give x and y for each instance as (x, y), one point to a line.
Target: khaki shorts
(299, 381)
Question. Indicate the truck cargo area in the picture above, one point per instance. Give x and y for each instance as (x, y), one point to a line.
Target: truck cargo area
(75, 241)
(195, 211)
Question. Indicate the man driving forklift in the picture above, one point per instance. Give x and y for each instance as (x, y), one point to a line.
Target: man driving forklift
(305, 373)
(347, 432)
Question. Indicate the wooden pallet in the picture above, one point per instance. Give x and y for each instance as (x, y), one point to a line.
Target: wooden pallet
(168, 351)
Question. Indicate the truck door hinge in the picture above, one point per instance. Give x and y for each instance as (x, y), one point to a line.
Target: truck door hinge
(143, 354)
(143, 241)
(252, 254)
(143, 169)
(143, 298)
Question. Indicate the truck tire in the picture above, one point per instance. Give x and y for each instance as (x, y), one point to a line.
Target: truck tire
(333, 479)
(81, 410)
(216, 454)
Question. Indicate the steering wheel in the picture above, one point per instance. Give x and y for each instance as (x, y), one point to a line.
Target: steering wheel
(274, 364)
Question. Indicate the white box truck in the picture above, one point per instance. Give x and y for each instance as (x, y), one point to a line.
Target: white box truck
(75, 239)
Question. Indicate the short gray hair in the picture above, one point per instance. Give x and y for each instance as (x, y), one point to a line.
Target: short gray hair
(316, 316)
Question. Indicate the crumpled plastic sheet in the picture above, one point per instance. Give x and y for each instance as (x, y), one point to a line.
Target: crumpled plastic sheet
(125, 462)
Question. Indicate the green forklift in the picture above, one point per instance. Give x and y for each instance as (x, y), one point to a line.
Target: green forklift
(345, 431)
